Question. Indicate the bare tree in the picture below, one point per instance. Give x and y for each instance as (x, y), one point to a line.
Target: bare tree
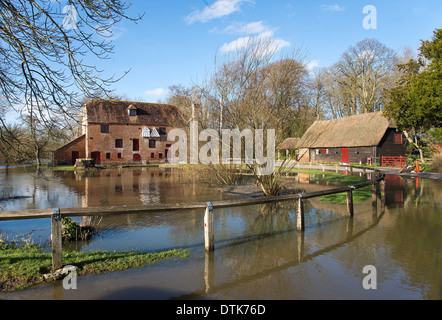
(43, 53)
(356, 83)
(252, 89)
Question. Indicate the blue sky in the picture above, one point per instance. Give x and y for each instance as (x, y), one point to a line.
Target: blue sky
(177, 40)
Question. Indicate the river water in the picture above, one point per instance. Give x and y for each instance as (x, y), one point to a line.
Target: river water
(258, 255)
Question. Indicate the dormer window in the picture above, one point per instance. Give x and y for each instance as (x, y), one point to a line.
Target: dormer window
(132, 111)
(154, 133)
(146, 133)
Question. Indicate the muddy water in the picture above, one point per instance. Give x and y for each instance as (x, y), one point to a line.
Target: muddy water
(259, 254)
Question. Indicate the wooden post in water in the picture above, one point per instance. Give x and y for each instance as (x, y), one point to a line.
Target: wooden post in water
(350, 227)
(383, 191)
(300, 214)
(56, 225)
(209, 270)
(350, 202)
(209, 236)
(300, 245)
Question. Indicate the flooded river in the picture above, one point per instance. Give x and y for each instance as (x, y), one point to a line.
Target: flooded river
(259, 254)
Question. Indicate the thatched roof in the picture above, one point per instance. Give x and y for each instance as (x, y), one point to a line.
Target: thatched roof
(289, 144)
(361, 130)
(116, 112)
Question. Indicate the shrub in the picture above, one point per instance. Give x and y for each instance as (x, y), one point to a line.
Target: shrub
(436, 164)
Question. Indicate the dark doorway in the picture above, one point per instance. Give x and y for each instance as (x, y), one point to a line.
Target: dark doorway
(97, 157)
(136, 143)
(137, 157)
(75, 156)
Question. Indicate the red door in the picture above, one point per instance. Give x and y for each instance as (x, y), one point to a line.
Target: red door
(97, 157)
(345, 155)
(75, 156)
(136, 145)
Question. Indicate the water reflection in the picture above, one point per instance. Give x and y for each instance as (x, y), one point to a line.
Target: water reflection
(259, 254)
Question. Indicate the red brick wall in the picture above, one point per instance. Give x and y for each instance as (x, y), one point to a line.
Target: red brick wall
(105, 143)
(63, 156)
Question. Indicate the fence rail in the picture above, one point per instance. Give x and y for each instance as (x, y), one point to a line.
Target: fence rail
(56, 214)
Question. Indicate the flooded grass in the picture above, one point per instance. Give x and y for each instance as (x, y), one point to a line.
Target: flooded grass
(22, 266)
(68, 168)
(339, 179)
(359, 195)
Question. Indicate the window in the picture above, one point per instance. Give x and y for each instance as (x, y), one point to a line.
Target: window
(162, 131)
(132, 112)
(317, 151)
(146, 133)
(398, 138)
(119, 156)
(152, 144)
(104, 128)
(152, 155)
(119, 143)
(136, 145)
(160, 156)
(108, 156)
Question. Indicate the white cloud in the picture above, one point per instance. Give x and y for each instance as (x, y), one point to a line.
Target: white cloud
(274, 45)
(252, 28)
(111, 34)
(218, 9)
(156, 92)
(312, 65)
(253, 32)
(332, 7)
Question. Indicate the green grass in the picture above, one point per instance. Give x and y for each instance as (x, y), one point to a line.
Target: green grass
(24, 266)
(359, 195)
(339, 179)
(67, 168)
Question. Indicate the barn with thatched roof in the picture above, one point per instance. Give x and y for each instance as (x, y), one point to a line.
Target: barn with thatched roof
(356, 139)
(288, 146)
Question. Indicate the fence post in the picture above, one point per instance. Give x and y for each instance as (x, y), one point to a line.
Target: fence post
(209, 270)
(209, 236)
(57, 249)
(350, 201)
(300, 214)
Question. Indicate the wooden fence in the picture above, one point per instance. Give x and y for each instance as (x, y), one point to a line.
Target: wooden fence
(394, 161)
(56, 214)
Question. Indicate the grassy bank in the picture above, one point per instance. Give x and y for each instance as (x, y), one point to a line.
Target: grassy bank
(338, 179)
(22, 266)
(66, 168)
